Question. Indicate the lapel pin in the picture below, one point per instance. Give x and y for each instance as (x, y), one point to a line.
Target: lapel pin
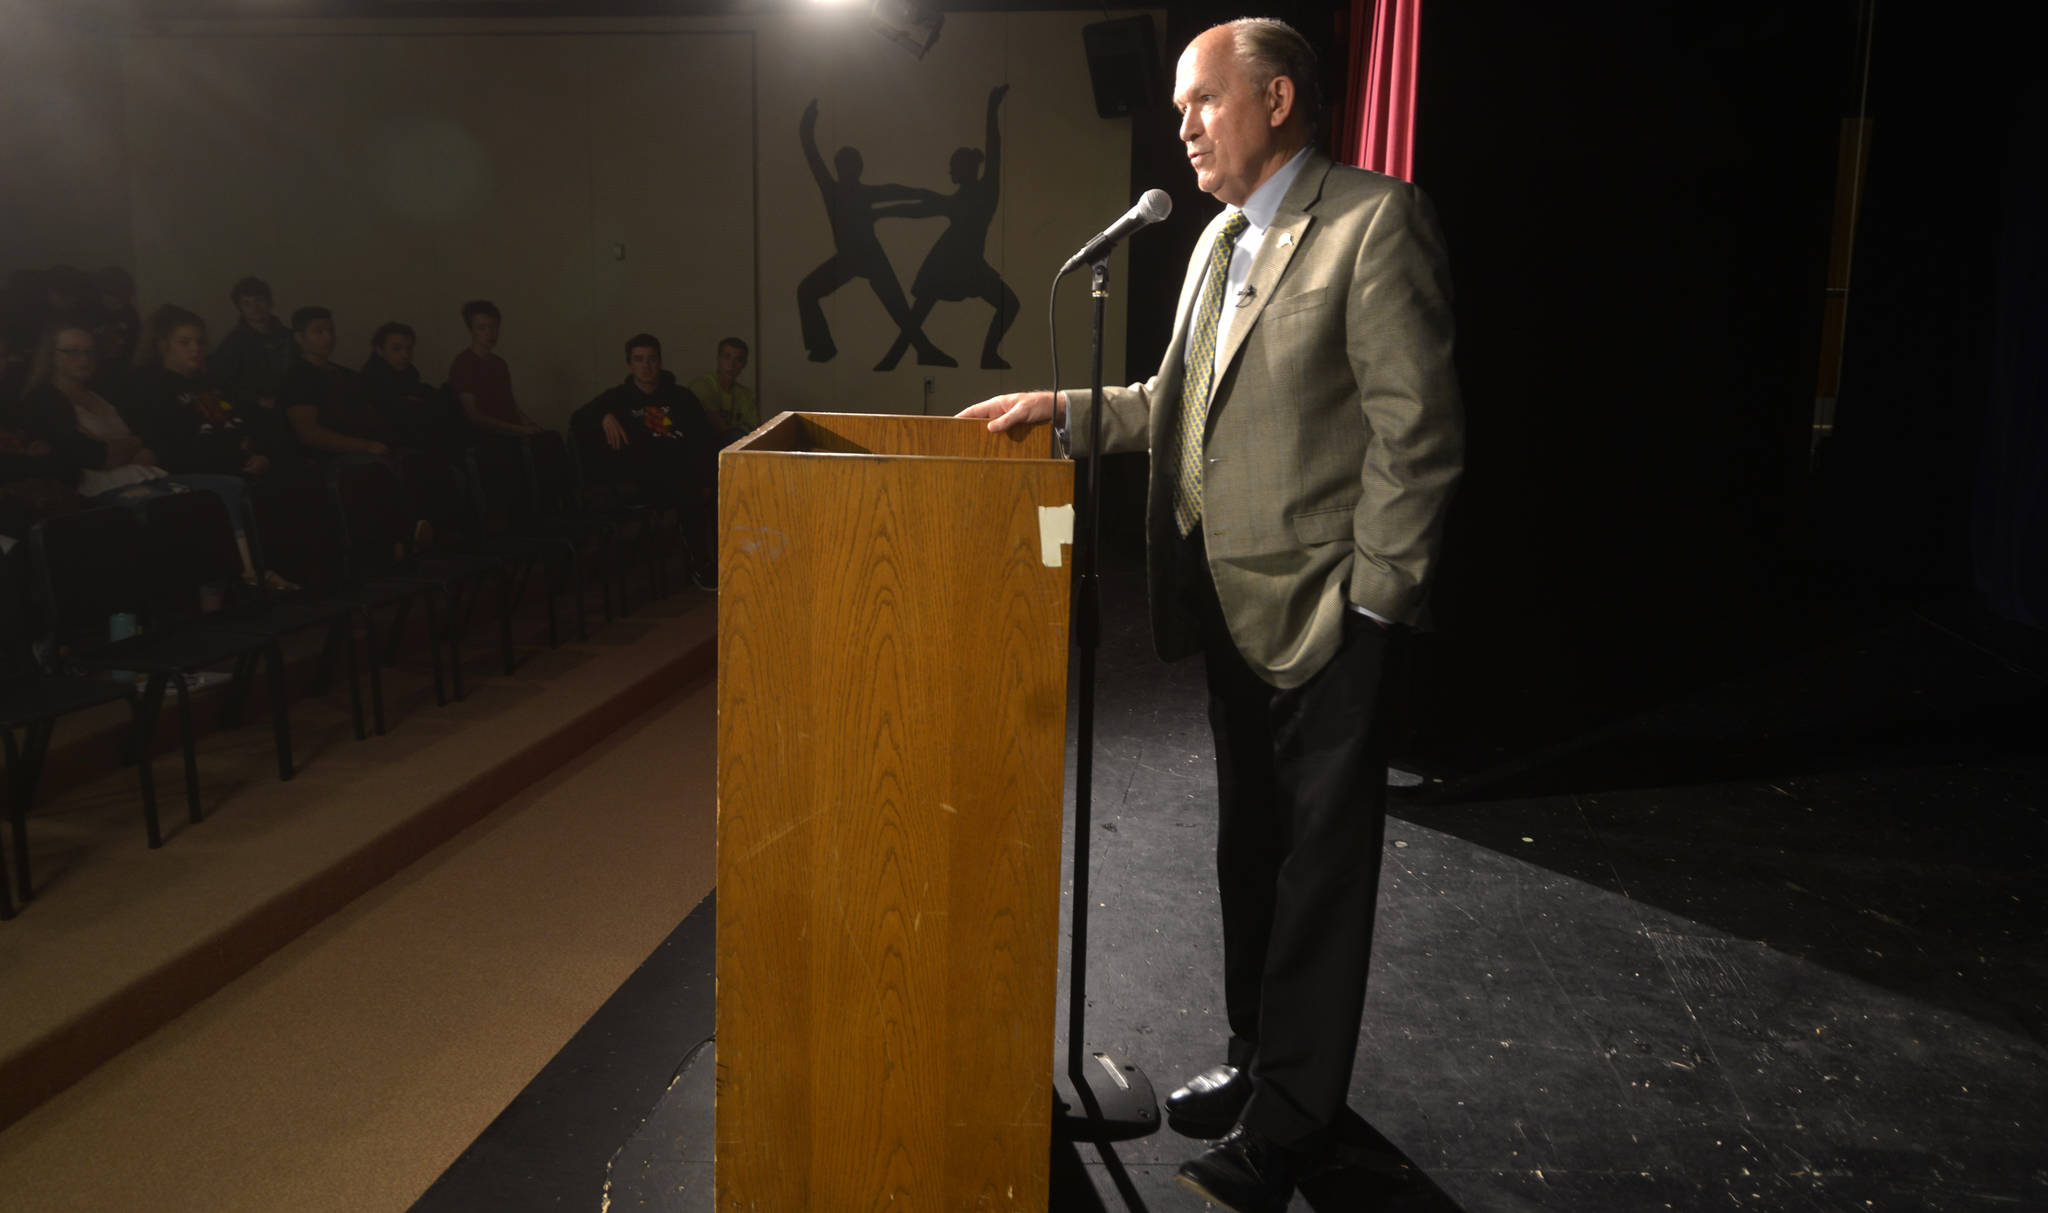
(1286, 238)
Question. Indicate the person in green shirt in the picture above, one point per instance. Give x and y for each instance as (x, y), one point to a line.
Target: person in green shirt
(727, 401)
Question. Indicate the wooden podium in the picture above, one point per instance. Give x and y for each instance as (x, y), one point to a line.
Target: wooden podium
(892, 681)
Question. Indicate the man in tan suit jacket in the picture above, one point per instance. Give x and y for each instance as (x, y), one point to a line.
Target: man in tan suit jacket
(1290, 545)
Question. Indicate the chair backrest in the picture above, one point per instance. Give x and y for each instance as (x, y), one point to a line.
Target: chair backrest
(188, 541)
(498, 484)
(17, 631)
(376, 517)
(295, 531)
(89, 565)
(439, 488)
(551, 475)
(600, 472)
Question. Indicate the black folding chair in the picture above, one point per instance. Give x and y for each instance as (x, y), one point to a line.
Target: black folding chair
(604, 487)
(378, 523)
(31, 700)
(509, 522)
(559, 509)
(193, 535)
(295, 531)
(94, 565)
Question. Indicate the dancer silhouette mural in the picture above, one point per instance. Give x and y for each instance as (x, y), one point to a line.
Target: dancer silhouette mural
(853, 207)
(957, 268)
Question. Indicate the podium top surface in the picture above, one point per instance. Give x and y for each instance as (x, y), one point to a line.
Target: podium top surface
(895, 436)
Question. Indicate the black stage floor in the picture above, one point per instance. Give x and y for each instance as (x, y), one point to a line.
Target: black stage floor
(1776, 944)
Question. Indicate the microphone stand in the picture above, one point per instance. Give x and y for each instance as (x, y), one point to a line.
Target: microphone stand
(1099, 1098)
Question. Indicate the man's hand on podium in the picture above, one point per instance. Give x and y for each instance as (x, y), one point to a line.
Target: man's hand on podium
(1018, 408)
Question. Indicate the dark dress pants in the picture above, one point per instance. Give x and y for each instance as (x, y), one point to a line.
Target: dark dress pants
(1301, 782)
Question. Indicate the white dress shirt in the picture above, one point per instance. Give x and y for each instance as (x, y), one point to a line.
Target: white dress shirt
(1259, 211)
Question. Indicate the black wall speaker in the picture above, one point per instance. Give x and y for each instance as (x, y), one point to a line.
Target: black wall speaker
(1123, 66)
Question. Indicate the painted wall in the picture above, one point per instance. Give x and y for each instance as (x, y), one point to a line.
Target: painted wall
(593, 178)
(395, 176)
(63, 184)
(1064, 176)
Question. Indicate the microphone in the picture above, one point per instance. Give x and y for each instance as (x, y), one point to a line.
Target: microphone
(1153, 207)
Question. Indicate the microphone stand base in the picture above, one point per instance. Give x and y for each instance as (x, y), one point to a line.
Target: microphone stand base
(1113, 1103)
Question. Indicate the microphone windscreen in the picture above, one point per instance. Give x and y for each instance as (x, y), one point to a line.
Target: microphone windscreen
(1155, 205)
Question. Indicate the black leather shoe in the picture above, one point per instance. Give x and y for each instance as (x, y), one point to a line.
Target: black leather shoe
(1210, 1102)
(1244, 1172)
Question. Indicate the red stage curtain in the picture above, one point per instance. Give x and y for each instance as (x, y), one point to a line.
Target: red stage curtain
(1376, 128)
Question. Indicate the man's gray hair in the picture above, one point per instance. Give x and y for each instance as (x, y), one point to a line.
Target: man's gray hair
(1270, 48)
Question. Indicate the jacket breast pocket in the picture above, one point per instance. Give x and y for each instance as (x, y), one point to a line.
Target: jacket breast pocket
(1288, 305)
(1322, 526)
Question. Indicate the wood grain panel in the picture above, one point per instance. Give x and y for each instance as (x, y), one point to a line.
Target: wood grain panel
(933, 437)
(892, 702)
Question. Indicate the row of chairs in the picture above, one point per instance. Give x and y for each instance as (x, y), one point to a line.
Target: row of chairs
(506, 511)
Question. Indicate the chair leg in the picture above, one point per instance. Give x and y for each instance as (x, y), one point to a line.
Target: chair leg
(137, 747)
(459, 608)
(507, 597)
(37, 753)
(344, 633)
(234, 705)
(576, 589)
(548, 591)
(17, 816)
(27, 776)
(657, 565)
(624, 566)
(398, 630)
(280, 717)
(149, 707)
(185, 737)
(370, 651)
(434, 646)
(143, 774)
(323, 670)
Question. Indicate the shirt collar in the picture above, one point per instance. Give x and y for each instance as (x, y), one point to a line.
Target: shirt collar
(1264, 205)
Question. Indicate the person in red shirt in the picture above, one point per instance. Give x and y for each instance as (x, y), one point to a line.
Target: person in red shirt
(480, 380)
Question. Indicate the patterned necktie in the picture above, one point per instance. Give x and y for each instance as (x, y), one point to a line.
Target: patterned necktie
(1198, 373)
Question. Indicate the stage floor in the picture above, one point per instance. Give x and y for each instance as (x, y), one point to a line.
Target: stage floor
(1771, 945)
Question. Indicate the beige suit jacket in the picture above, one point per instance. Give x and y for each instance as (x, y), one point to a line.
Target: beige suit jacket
(1335, 432)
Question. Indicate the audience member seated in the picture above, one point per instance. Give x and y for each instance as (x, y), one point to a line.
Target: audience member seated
(662, 440)
(421, 415)
(252, 359)
(480, 380)
(86, 432)
(182, 415)
(82, 427)
(726, 400)
(328, 413)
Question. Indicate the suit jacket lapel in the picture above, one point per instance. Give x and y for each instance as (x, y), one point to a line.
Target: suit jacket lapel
(1290, 224)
